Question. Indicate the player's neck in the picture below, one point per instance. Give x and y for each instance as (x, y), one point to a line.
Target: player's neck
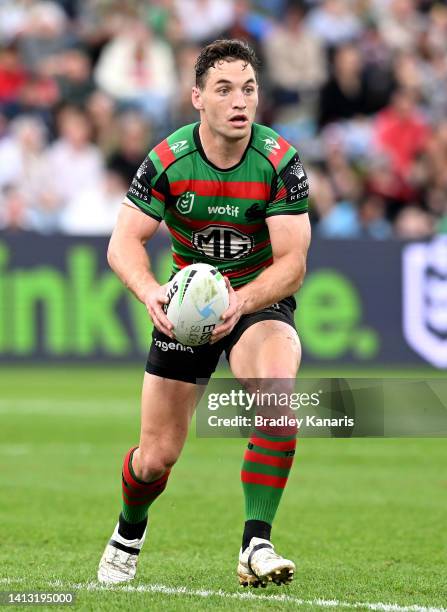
(220, 151)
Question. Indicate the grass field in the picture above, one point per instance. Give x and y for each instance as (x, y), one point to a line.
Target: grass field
(365, 519)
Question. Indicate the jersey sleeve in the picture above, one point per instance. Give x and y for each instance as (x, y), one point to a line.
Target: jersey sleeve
(290, 191)
(149, 189)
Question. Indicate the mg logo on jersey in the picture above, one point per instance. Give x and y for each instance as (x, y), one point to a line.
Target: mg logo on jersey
(179, 146)
(270, 144)
(425, 299)
(222, 242)
(185, 202)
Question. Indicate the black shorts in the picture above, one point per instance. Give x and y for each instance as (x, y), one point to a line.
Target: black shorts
(170, 359)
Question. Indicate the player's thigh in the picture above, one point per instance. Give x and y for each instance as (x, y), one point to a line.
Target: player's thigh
(268, 349)
(167, 406)
(170, 393)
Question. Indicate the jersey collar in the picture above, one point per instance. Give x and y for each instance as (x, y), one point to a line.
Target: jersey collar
(200, 149)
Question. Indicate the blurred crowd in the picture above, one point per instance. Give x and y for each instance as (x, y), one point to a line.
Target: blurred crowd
(87, 87)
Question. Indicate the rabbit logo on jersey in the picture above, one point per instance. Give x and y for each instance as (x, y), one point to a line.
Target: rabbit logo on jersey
(425, 299)
(270, 144)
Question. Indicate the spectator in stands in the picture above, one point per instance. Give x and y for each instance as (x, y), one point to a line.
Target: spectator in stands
(45, 34)
(344, 179)
(138, 70)
(335, 219)
(249, 25)
(381, 161)
(93, 210)
(203, 20)
(73, 161)
(401, 25)
(344, 95)
(412, 223)
(13, 18)
(182, 109)
(373, 221)
(12, 79)
(401, 132)
(15, 216)
(408, 71)
(39, 96)
(134, 138)
(436, 32)
(22, 156)
(101, 110)
(334, 22)
(74, 76)
(434, 86)
(295, 61)
(377, 68)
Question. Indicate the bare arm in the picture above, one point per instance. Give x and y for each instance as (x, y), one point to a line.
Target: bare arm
(290, 239)
(129, 260)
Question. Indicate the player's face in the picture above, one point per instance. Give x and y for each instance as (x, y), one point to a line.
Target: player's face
(228, 99)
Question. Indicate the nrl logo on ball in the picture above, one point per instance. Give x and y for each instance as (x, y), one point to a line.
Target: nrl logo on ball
(425, 299)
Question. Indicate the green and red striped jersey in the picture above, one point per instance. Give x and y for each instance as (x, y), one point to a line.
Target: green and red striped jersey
(219, 216)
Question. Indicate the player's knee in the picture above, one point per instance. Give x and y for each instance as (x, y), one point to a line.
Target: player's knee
(154, 464)
(277, 380)
(275, 396)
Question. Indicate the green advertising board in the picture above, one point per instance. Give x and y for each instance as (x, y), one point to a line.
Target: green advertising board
(59, 299)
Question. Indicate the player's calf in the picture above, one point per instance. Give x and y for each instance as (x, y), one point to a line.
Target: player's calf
(119, 560)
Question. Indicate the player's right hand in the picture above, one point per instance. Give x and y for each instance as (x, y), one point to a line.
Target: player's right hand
(154, 302)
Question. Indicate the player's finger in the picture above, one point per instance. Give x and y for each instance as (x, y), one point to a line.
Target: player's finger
(223, 330)
(163, 299)
(229, 312)
(161, 315)
(215, 339)
(163, 318)
(228, 285)
(159, 324)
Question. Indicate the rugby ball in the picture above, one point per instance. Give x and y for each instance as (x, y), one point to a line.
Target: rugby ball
(197, 298)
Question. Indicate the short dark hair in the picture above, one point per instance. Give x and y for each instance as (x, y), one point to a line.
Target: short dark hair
(228, 50)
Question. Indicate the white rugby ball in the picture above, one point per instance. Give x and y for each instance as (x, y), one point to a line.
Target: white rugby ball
(197, 298)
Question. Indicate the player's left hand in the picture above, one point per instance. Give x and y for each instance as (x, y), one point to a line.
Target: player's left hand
(230, 317)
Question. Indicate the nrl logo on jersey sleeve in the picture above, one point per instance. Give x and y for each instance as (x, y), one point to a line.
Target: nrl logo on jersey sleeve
(270, 144)
(425, 299)
(179, 146)
(185, 202)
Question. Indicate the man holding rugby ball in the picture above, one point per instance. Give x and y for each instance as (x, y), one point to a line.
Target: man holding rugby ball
(233, 194)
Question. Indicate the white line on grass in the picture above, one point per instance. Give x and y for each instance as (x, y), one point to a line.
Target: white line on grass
(50, 406)
(11, 580)
(15, 450)
(167, 590)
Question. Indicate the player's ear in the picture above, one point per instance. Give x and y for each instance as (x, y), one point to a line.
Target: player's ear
(197, 98)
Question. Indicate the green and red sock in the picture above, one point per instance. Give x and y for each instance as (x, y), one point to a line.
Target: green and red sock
(265, 469)
(137, 494)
